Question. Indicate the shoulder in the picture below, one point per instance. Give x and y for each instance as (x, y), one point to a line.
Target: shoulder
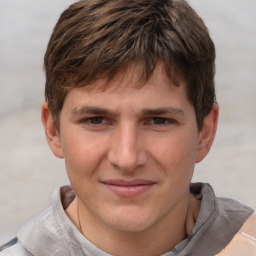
(230, 216)
(45, 233)
(41, 235)
(231, 212)
(244, 242)
(218, 222)
(12, 248)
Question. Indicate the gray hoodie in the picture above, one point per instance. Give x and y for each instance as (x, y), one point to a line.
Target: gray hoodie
(52, 233)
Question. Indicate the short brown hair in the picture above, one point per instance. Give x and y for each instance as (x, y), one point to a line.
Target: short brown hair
(96, 38)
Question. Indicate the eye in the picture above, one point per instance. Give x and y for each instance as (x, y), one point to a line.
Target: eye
(161, 121)
(95, 121)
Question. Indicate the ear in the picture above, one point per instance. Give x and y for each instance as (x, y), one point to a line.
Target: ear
(207, 133)
(51, 132)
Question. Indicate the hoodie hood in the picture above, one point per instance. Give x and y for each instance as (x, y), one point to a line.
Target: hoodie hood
(52, 233)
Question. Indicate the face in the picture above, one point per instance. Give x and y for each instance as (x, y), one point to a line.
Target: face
(129, 151)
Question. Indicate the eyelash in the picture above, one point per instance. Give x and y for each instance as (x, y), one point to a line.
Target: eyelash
(163, 121)
(89, 120)
(100, 120)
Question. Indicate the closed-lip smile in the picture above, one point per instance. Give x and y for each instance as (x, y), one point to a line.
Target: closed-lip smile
(128, 188)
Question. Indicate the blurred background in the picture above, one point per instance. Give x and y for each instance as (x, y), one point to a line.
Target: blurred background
(29, 172)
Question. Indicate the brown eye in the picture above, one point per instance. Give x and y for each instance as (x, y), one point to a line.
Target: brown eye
(161, 121)
(96, 120)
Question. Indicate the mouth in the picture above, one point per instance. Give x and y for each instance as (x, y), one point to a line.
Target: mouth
(128, 188)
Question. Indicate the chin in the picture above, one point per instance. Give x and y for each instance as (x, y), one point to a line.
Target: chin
(129, 221)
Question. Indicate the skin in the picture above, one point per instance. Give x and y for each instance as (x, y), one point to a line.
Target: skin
(130, 153)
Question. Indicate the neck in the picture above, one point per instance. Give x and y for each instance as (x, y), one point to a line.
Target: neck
(156, 240)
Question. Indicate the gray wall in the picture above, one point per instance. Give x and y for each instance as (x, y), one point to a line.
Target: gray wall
(29, 172)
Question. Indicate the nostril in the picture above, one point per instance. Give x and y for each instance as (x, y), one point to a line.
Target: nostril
(127, 160)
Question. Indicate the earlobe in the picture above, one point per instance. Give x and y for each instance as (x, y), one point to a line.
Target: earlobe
(207, 133)
(51, 132)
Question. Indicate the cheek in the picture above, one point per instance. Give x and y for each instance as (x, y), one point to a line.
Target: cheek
(83, 154)
(176, 153)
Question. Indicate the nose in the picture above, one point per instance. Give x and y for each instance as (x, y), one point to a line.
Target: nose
(126, 150)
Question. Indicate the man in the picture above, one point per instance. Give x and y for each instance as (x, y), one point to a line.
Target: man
(130, 106)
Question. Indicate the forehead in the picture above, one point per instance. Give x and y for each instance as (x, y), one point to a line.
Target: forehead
(134, 76)
(128, 90)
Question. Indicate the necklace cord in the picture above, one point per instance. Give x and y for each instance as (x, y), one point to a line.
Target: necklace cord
(79, 222)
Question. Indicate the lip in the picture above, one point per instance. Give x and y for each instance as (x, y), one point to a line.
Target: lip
(127, 188)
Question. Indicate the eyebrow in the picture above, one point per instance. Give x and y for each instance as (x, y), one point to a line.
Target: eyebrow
(162, 111)
(146, 111)
(92, 110)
